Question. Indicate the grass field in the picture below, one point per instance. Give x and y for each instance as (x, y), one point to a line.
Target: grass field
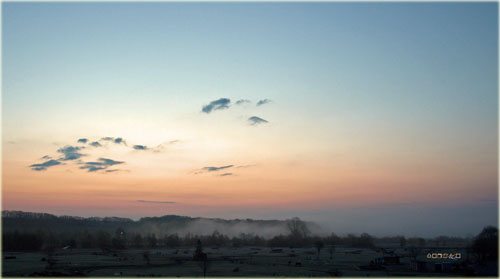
(228, 262)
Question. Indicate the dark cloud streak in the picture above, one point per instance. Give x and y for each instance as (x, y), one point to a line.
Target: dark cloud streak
(210, 169)
(222, 103)
(43, 166)
(254, 120)
(140, 147)
(242, 101)
(263, 102)
(162, 202)
(70, 153)
(119, 141)
(95, 144)
(73, 153)
(102, 164)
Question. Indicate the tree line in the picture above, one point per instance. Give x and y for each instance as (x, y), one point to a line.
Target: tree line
(484, 244)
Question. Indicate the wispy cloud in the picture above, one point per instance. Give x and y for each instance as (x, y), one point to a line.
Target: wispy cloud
(74, 153)
(43, 166)
(254, 120)
(263, 102)
(242, 101)
(70, 153)
(120, 140)
(164, 202)
(210, 169)
(91, 168)
(156, 149)
(161, 147)
(222, 103)
(220, 170)
(101, 164)
(110, 162)
(246, 166)
(117, 140)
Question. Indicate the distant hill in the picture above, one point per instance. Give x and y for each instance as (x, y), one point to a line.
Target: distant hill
(168, 224)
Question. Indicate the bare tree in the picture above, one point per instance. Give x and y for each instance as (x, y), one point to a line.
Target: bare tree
(319, 245)
(298, 228)
(332, 250)
(146, 258)
(486, 244)
(402, 242)
(205, 266)
(201, 258)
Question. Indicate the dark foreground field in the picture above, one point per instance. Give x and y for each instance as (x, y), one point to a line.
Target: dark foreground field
(233, 262)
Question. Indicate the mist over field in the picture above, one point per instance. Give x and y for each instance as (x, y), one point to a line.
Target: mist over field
(169, 224)
(206, 227)
(176, 245)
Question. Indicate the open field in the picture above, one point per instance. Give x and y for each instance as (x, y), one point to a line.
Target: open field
(234, 262)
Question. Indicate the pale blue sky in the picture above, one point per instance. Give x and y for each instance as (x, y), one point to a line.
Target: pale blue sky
(411, 84)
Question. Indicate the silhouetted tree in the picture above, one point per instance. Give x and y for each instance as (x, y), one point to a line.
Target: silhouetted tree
(72, 243)
(173, 241)
(278, 241)
(402, 242)
(298, 231)
(152, 240)
(414, 252)
(442, 241)
(351, 240)
(145, 257)
(198, 253)
(22, 241)
(486, 244)
(205, 266)
(366, 240)
(201, 258)
(103, 240)
(421, 242)
(319, 244)
(297, 228)
(87, 240)
(118, 242)
(333, 239)
(331, 250)
(52, 242)
(137, 240)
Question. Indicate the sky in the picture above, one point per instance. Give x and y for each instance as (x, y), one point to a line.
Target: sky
(362, 117)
